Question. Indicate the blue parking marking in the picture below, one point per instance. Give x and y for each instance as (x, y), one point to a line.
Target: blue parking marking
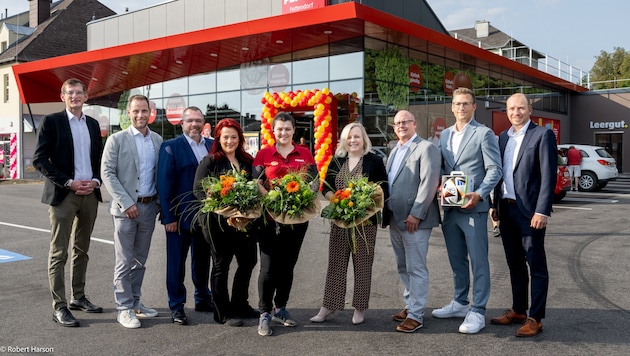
(8, 256)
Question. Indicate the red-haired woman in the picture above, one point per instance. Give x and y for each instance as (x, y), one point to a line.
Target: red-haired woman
(228, 153)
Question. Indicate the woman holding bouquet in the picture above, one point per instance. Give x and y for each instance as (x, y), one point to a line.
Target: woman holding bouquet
(227, 242)
(279, 243)
(353, 160)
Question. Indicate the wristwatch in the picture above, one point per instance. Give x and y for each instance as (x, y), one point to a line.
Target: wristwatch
(68, 183)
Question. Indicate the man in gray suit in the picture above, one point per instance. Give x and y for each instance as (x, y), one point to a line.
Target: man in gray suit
(129, 173)
(413, 173)
(471, 148)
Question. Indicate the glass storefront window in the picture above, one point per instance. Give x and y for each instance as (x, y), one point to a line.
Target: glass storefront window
(202, 83)
(153, 90)
(346, 66)
(176, 86)
(203, 102)
(228, 107)
(228, 80)
(310, 70)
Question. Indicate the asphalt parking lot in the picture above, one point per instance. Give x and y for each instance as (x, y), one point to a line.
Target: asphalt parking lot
(588, 313)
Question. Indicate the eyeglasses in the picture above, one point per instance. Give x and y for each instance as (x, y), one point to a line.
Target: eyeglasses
(71, 93)
(403, 123)
(465, 104)
(196, 121)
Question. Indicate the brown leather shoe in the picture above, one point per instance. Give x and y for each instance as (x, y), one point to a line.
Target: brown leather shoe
(400, 316)
(409, 325)
(530, 327)
(509, 317)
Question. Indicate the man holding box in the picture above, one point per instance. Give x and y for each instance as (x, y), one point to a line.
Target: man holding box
(471, 148)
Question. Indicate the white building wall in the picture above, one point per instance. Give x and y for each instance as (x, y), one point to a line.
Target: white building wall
(175, 17)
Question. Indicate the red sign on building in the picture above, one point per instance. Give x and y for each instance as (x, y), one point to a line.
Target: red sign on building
(415, 77)
(290, 6)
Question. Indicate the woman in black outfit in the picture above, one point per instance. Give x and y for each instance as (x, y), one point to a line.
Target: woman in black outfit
(227, 242)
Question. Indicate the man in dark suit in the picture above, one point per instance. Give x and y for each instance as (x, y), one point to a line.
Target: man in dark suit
(68, 154)
(524, 198)
(177, 164)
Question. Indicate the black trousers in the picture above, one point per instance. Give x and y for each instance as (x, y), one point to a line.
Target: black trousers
(524, 246)
(227, 243)
(279, 251)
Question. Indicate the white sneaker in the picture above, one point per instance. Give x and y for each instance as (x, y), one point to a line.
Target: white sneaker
(142, 311)
(451, 310)
(127, 318)
(473, 323)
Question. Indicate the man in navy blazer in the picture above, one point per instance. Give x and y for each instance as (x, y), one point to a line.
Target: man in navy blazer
(471, 148)
(523, 200)
(68, 154)
(178, 161)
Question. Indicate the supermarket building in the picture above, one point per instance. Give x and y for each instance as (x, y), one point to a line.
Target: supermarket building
(375, 57)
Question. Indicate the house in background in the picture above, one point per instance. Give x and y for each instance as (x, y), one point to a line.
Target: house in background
(490, 38)
(47, 30)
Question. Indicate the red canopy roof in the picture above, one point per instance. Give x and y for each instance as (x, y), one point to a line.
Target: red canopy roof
(114, 69)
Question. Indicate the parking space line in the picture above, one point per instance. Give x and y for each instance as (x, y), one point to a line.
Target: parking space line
(571, 207)
(48, 231)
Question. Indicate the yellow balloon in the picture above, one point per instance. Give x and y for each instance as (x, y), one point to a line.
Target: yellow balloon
(326, 91)
(328, 117)
(324, 146)
(271, 142)
(328, 100)
(267, 136)
(325, 123)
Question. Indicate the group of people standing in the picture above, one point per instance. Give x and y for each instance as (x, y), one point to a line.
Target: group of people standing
(148, 178)
(520, 171)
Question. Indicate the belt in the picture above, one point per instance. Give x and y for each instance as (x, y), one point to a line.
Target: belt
(509, 201)
(145, 200)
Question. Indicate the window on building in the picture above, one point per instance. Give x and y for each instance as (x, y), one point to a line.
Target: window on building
(5, 83)
(3, 46)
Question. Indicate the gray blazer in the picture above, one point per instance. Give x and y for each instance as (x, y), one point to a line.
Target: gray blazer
(414, 186)
(478, 156)
(120, 169)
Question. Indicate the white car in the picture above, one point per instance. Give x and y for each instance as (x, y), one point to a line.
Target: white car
(598, 166)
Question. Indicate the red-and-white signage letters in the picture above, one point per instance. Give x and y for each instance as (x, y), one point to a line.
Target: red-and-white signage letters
(290, 6)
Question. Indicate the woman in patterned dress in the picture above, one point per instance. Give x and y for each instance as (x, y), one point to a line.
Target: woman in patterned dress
(353, 159)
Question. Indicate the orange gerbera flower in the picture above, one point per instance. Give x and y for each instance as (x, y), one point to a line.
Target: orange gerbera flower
(227, 181)
(225, 191)
(293, 187)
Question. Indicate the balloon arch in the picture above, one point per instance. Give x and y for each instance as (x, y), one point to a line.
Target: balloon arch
(324, 107)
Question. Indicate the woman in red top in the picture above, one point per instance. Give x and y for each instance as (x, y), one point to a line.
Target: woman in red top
(279, 244)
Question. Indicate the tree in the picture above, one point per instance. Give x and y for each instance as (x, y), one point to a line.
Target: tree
(610, 68)
(124, 120)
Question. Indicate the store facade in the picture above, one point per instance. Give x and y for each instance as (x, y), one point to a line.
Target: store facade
(372, 61)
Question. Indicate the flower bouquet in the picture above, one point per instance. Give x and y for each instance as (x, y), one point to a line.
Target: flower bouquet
(352, 206)
(233, 196)
(290, 200)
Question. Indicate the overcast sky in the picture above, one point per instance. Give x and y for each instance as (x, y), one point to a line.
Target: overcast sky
(573, 31)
